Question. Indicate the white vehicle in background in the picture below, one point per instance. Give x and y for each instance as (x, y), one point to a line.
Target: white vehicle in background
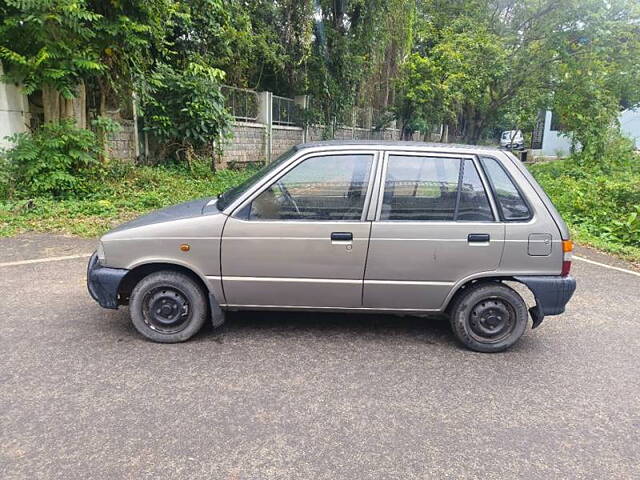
(512, 139)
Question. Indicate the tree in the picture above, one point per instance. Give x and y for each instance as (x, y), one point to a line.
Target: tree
(598, 73)
(48, 45)
(496, 63)
(126, 35)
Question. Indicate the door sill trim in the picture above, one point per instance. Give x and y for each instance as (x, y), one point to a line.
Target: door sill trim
(232, 306)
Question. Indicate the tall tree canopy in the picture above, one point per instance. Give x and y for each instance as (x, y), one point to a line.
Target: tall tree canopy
(475, 65)
(478, 64)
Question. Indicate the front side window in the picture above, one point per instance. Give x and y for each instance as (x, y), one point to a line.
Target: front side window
(329, 188)
(227, 198)
(433, 189)
(510, 201)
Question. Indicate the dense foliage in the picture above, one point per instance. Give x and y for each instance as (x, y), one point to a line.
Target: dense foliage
(478, 65)
(475, 65)
(59, 160)
(185, 111)
(126, 192)
(600, 202)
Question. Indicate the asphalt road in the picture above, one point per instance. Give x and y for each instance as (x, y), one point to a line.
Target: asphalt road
(302, 396)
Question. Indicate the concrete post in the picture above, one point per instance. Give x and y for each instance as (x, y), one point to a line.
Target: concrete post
(303, 102)
(136, 138)
(265, 116)
(354, 120)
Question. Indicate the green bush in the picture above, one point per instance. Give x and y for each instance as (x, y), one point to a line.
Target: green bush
(185, 110)
(126, 191)
(5, 177)
(59, 160)
(600, 201)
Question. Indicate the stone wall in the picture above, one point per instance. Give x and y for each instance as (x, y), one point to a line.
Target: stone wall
(122, 144)
(283, 138)
(248, 142)
(246, 145)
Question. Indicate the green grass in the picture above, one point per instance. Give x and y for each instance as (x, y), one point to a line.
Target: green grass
(126, 193)
(600, 204)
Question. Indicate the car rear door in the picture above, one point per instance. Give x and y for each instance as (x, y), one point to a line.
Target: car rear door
(302, 240)
(435, 224)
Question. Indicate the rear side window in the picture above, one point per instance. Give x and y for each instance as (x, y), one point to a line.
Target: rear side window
(433, 189)
(474, 204)
(510, 202)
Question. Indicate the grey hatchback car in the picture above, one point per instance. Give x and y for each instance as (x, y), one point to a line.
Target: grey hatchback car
(387, 227)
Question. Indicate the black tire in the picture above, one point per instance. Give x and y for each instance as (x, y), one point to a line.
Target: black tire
(488, 317)
(168, 307)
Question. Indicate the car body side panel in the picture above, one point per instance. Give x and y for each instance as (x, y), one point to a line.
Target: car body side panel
(516, 252)
(160, 243)
(414, 265)
(293, 263)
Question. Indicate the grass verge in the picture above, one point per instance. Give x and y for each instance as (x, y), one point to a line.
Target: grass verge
(126, 193)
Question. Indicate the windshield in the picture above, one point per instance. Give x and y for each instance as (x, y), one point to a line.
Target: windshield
(227, 198)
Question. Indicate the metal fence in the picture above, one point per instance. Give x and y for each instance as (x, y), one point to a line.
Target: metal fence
(247, 105)
(241, 103)
(284, 111)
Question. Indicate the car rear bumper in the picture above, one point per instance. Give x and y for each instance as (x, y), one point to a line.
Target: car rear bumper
(552, 293)
(103, 282)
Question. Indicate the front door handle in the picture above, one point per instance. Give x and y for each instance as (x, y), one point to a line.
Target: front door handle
(341, 237)
(478, 238)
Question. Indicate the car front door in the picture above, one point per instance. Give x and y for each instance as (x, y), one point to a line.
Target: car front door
(434, 225)
(302, 240)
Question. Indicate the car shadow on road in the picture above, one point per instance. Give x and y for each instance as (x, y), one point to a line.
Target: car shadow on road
(432, 330)
(328, 327)
(263, 324)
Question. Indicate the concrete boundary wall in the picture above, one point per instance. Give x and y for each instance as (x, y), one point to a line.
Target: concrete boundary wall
(249, 141)
(253, 139)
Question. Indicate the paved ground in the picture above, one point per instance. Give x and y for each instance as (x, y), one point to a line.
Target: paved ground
(300, 396)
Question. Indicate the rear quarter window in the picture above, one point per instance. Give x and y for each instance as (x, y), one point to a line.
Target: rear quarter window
(510, 201)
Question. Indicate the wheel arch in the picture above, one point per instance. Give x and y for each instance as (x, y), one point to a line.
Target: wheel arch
(462, 286)
(142, 270)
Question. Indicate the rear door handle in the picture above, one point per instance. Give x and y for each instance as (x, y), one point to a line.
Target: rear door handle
(341, 237)
(478, 238)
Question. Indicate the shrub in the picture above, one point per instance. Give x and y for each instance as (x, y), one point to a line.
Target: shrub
(599, 200)
(59, 160)
(185, 111)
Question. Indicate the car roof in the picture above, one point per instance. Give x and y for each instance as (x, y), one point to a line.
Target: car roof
(389, 144)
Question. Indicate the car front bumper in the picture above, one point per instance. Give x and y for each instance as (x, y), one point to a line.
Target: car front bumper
(552, 293)
(103, 282)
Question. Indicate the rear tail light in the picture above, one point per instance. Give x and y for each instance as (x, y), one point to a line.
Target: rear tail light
(567, 251)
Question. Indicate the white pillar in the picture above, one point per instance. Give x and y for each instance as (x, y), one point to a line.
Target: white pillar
(265, 116)
(303, 102)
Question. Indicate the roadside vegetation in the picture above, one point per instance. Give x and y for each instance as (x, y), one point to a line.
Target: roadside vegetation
(600, 200)
(54, 180)
(125, 192)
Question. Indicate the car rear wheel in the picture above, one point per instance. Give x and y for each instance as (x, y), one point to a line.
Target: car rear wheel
(489, 317)
(168, 307)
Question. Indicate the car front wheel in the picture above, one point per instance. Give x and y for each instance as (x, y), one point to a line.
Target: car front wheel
(168, 307)
(489, 317)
